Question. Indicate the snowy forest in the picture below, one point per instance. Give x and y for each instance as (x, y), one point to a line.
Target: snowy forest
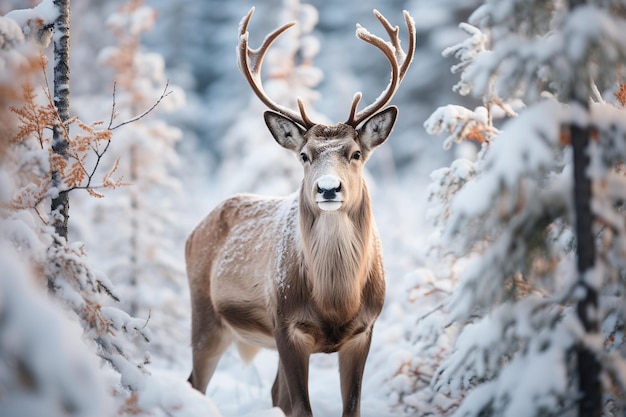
(500, 200)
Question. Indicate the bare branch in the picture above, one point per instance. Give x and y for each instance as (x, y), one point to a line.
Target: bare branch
(113, 106)
(100, 153)
(164, 94)
(97, 163)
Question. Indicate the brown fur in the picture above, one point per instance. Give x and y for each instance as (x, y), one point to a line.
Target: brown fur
(283, 273)
(302, 274)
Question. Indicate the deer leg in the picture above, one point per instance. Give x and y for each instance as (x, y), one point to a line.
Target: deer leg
(280, 391)
(352, 358)
(209, 340)
(294, 352)
(205, 358)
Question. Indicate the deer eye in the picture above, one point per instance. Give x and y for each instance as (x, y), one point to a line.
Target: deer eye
(304, 157)
(356, 155)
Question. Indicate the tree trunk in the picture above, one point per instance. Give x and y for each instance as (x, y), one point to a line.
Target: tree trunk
(590, 403)
(135, 254)
(60, 204)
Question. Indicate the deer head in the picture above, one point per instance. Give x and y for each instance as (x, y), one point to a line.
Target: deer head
(332, 156)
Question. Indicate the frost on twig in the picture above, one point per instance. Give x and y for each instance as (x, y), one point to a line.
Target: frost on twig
(466, 52)
(460, 124)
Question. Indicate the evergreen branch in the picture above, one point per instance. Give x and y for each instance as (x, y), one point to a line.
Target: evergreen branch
(107, 290)
(434, 310)
(148, 319)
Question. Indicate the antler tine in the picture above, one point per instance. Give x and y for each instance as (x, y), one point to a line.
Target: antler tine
(355, 103)
(393, 31)
(250, 62)
(398, 59)
(305, 119)
(408, 58)
(394, 35)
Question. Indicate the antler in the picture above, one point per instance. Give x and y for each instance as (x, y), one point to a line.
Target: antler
(398, 59)
(250, 61)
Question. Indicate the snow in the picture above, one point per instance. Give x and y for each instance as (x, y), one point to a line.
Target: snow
(523, 149)
(45, 11)
(457, 122)
(533, 395)
(589, 25)
(140, 20)
(288, 216)
(308, 17)
(11, 33)
(33, 331)
(170, 395)
(455, 338)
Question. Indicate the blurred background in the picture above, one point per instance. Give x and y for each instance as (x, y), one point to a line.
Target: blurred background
(207, 140)
(197, 40)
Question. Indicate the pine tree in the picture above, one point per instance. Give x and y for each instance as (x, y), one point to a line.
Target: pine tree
(588, 363)
(534, 250)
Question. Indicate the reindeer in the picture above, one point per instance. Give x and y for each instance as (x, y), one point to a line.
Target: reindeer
(301, 274)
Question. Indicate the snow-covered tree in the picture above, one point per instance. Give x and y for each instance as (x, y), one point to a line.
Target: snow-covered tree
(33, 330)
(507, 220)
(60, 136)
(134, 227)
(63, 352)
(29, 160)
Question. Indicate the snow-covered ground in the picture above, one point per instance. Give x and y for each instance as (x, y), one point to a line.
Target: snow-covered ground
(239, 390)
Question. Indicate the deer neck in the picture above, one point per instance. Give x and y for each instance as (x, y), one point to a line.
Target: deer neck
(336, 248)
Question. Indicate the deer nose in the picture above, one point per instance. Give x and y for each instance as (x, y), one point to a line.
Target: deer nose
(328, 186)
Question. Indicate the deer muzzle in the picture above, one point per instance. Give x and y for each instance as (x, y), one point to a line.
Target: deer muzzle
(329, 195)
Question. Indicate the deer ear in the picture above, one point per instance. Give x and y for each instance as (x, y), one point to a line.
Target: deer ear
(377, 128)
(287, 133)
